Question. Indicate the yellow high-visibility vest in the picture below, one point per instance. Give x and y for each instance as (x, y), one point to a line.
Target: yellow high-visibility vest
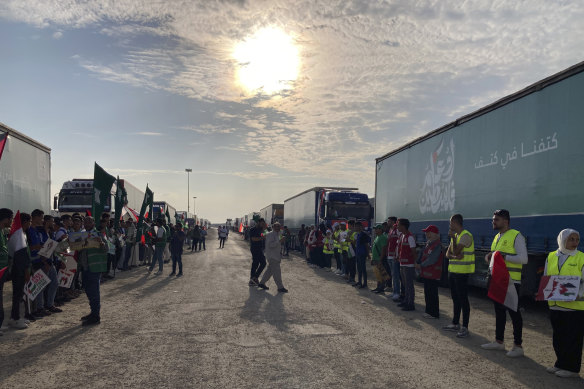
(572, 267)
(506, 245)
(465, 265)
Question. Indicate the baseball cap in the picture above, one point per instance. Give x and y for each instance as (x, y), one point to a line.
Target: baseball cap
(431, 228)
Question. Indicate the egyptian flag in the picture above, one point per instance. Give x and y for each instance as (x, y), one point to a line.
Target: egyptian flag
(501, 287)
(17, 240)
(3, 140)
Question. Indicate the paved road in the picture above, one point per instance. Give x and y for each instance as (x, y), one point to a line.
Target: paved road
(210, 330)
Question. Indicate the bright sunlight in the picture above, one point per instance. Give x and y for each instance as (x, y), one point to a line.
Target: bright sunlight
(268, 61)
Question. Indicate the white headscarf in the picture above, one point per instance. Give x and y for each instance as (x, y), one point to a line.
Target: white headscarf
(563, 237)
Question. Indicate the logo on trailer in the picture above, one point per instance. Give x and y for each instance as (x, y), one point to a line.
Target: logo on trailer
(437, 192)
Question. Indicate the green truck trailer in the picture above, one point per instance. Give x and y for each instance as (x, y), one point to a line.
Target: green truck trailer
(524, 153)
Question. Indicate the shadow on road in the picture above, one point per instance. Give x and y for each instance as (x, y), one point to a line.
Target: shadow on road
(262, 306)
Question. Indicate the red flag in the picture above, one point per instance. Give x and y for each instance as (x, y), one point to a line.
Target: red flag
(240, 227)
(501, 287)
(3, 139)
(88, 212)
(2, 271)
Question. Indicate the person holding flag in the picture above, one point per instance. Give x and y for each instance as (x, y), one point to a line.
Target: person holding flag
(19, 251)
(567, 317)
(507, 257)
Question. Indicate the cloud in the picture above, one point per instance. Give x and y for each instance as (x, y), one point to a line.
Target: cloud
(257, 175)
(57, 35)
(373, 74)
(147, 133)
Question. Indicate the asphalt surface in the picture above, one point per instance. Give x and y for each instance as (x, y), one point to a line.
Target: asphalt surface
(209, 329)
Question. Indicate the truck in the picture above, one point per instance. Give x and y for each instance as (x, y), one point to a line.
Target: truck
(273, 213)
(77, 196)
(326, 205)
(184, 216)
(25, 172)
(159, 210)
(522, 153)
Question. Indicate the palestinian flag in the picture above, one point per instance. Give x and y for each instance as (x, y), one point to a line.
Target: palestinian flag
(17, 240)
(3, 140)
(501, 288)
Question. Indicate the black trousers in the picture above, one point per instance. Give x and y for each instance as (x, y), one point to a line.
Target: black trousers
(431, 297)
(459, 293)
(352, 265)
(221, 242)
(568, 338)
(17, 290)
(328, 260)
(258, 263)
(501, 318)
(337, 255)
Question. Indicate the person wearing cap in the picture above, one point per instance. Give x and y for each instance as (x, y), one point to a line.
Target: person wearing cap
(273, 253)
(511, 244)
(461, 263)
(429, 264)
(379, 243)
(407, 258)
(567, 317)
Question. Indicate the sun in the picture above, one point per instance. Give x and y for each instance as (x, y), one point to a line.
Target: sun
(267, 61)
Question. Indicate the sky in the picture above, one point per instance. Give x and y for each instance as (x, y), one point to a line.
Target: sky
(262, 99)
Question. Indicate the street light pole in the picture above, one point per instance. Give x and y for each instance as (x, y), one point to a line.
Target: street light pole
(195, 207)
(188, 190)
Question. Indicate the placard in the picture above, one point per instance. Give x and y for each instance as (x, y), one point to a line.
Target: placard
(558, 288)
(38, 281)
(65, 278)
(48, 248)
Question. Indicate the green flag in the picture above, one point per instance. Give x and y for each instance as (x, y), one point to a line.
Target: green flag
(121, 201)
(102, 186)
(148, 201)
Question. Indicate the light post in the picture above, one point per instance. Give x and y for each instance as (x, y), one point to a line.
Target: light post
(188, 189)
(195, 208)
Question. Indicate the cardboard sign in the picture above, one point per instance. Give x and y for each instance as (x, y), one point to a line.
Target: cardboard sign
(48, 248)
(558, 288)
(65, 278)
(38, 281)
(83, 240)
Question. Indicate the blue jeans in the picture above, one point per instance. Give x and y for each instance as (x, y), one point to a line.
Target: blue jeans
(91, 285)
(395, 276)
(362, 269)
(177, 258)
(51, 289)
(158, 251)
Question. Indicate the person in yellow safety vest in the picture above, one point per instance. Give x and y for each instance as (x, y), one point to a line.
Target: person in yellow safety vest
(461, 263)
(511, 244)
(337, 248)
(567, 317)
(328, 249)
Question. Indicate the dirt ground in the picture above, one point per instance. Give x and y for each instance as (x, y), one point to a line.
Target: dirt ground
(208, 329)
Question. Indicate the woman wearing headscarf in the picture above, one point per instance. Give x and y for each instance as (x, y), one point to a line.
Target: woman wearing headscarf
(567, 317)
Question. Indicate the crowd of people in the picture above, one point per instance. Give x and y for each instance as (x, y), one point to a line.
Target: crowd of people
(397, 261)
(106, 248)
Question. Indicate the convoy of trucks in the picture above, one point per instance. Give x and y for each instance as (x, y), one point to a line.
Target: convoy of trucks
(159, 209)
(25, 172)
(522, 153)
(273, 213)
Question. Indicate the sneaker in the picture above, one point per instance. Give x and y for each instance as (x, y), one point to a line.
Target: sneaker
(263, 286)
(515, 352)
(17, 324)
(30, 317)
(567, 374)
(553, 369)
(463, 333)
(179, 275)
(452, 327)
(172, 274)
(282, 290)
(158, 273)
(85, 317)
(91, 320)
(252, 282)
(493, 346)
(54, 309)
(428, 316)
(364, 286)
(395, 297)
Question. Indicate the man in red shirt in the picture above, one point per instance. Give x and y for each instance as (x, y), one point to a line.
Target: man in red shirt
(407, 258)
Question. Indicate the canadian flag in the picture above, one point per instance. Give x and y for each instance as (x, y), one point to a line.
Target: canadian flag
(17, 240)
(502, 288)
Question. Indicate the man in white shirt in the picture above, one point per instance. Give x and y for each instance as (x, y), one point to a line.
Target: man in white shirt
(272, 251)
